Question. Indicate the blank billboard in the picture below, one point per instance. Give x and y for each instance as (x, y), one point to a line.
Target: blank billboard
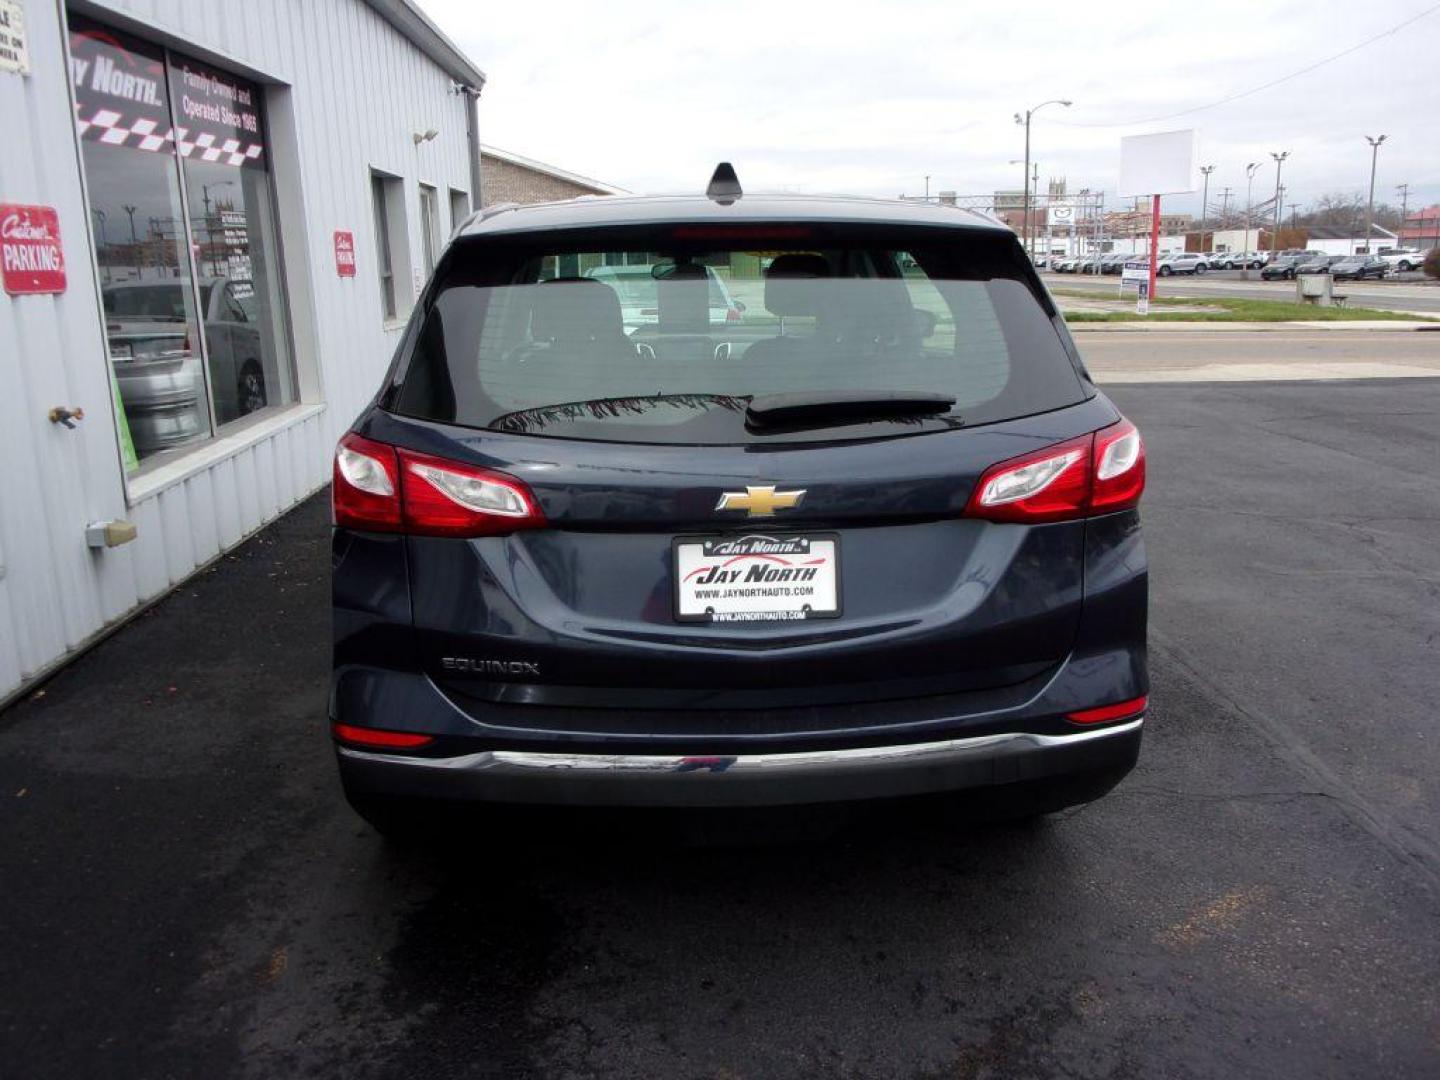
(1162, 164)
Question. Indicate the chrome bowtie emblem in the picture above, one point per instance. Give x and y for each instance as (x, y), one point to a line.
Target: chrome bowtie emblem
(760, 501)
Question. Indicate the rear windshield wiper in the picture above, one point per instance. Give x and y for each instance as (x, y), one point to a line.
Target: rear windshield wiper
(844, 406)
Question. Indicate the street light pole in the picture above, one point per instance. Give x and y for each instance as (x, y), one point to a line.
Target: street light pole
(1370, 206)
(1275, 236)
(1025, 204)
(1249, 211)
(1205, 205)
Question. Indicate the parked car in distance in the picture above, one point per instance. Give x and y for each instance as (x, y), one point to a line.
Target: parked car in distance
(1359, 267)
(1282, 266)
(638, 287)
(1403, 259)
(884, 543)
(1315, 264)
(1243, 260)
(1114, 262)
(1180, 262)
(157, 364)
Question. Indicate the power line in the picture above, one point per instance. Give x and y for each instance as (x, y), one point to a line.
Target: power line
(1265, 86)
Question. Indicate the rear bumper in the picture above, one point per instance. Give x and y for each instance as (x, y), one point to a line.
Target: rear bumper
(818, 776)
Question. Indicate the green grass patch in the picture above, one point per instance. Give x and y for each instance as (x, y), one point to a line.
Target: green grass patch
(1236, 310)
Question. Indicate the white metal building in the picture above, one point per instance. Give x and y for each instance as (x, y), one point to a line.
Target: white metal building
(214, 220)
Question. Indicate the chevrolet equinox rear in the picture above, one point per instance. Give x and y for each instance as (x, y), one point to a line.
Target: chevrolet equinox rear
(873, 533)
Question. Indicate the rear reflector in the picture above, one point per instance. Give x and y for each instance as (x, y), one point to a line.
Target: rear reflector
(1121, 710)
(391, 740)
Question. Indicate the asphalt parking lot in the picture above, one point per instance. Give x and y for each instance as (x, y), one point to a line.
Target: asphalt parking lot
(185, 893)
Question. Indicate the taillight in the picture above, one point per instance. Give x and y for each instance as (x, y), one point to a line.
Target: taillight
(1094, 474)
(1048, 485)
(1119, 468)
(365, 493)
(381, 488)
(732, 315)
(446, 498)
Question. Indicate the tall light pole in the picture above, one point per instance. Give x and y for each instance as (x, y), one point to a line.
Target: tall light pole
(1025, 205)
(1279, 160)
(1370, 206)
(1205, 205)
(1249, 209)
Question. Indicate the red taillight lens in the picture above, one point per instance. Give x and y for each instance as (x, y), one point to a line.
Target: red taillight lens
(1094, 474)
(1121, 710)
(390, 740)
(379, 488)
(365, 493)
(1119, 468)
(1048, 485)
(446, 498)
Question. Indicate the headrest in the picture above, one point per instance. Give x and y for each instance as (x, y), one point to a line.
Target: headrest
(683, 295)
(790, 284)
(575, 309)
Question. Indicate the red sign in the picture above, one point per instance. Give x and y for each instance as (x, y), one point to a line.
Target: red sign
(30, 254)
(344, 253)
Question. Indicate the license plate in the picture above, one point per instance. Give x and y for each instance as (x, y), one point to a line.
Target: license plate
(757, 578)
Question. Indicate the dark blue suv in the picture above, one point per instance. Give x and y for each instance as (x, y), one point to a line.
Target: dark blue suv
(866, 530)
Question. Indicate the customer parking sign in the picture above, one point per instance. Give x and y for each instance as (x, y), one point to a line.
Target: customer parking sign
(30, 254)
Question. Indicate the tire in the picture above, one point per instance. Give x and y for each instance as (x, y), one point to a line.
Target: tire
(1405, 266)
(250, 389)
(1201, 268)
(1164, 271)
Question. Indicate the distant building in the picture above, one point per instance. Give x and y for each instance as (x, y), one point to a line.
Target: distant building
(1344, 240)
(1137, 223)
(510, 178)
(1422, 228)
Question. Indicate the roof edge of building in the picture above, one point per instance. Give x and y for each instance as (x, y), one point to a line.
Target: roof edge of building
(406, 17)
(487, 150)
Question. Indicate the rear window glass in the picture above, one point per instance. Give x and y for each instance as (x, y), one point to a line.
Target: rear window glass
(666, 335)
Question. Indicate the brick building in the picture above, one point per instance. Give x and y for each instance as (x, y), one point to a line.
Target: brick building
(510, 178)
(1422, 228)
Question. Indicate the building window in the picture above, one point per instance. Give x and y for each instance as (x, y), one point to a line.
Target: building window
(177, 175)
(459, 208)
(429, 227)
(386, 260)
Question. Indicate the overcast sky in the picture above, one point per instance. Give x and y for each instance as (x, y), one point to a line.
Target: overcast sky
(649, 94)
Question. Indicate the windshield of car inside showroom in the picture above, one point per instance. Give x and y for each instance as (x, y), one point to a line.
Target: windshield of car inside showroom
(637, 342)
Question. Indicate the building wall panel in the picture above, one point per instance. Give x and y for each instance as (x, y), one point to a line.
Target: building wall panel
(350, 90)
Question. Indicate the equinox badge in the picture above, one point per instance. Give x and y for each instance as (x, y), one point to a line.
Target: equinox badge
(760, 501)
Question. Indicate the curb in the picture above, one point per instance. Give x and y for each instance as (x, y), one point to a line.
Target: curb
(1179, 327)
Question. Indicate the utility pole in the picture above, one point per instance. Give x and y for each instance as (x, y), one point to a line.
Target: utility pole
(1279, 160)
(1249, 208)
(1205, 205)
(927, 188)
(1294, 217)
(1404, 190)
(1224, 207)
(1370, 206)
(1025, 205)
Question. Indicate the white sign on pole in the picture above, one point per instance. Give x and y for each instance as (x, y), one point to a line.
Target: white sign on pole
(1062, 214)
(1142, 298)
(1135, 272)
(14, 56)
(1162, 164)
